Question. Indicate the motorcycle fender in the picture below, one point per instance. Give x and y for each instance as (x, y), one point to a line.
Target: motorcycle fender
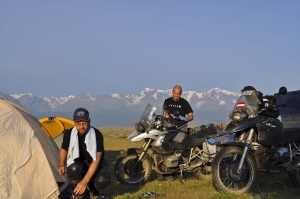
(133, 151)
(245, 125)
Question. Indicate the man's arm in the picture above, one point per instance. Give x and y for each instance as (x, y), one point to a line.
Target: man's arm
(82, 185)
(93, 167)
(189, 110)
(166, 114)
(165, 109)
(62, 159)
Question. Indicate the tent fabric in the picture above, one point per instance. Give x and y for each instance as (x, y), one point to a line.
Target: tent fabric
(29, 158)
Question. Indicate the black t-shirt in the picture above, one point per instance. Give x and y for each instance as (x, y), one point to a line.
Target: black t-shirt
(84, 155)
(181, 105)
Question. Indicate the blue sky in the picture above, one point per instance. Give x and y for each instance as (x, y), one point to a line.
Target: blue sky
(60, 48)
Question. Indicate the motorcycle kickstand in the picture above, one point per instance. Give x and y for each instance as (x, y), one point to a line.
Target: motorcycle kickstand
(181, 177)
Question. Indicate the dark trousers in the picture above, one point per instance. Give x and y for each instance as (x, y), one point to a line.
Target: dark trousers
(77, 170)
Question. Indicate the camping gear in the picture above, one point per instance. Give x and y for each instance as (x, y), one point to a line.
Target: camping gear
(54, 126)
(29, 158)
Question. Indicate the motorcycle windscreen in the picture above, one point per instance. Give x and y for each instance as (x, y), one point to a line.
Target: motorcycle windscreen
(247, 102)
(146, 118)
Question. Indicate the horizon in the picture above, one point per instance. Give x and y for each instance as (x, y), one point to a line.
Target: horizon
(125, 120)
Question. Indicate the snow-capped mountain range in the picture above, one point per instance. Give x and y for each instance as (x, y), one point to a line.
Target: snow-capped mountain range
(213, 103)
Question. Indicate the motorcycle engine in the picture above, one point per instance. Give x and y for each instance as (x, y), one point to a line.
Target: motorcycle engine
(267, 158)
(172, 160)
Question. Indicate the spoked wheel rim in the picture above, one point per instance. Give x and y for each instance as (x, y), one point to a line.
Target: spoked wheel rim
(133, 168)
(229, 176)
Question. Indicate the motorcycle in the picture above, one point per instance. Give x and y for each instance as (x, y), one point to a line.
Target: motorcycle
(166, 149)
(262, 144)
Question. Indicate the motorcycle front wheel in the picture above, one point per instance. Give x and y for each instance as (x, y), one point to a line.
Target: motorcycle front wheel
(129, 171)
(224, 171)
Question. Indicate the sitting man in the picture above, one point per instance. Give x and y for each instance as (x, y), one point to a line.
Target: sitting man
(82, 152)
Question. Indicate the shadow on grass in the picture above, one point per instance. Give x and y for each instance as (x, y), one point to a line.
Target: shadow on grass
(275, 186)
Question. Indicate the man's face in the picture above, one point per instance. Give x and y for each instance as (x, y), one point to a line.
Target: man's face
(176, 93)
(82, 126)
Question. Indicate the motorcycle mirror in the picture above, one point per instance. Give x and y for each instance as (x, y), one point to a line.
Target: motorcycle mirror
(282, 90)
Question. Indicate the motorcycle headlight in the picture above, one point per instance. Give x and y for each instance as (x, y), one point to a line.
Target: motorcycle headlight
(238, 116)
(252, 116)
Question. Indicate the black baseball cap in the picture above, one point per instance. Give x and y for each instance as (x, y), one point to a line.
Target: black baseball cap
(81, 114)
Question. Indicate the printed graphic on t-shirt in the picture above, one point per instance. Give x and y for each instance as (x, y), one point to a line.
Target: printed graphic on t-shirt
(175, 105)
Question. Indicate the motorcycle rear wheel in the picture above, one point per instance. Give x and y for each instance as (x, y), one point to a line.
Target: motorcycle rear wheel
(129, 171)
(224, 175)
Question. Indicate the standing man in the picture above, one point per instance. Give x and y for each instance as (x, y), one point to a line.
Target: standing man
(177, 103)
(81, 157)
(172, 104)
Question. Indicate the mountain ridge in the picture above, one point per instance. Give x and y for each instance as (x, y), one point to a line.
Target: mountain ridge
(212, 105)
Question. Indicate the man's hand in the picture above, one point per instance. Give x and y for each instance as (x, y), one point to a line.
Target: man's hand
(80, 188)
(190, 117)
(61, 170)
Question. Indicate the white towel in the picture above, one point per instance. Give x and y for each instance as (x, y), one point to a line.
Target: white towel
(90, 141)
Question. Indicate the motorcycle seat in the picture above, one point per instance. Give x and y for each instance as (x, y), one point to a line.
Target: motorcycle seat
(194, 140)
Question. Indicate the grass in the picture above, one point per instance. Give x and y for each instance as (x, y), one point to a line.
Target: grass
(115, 142)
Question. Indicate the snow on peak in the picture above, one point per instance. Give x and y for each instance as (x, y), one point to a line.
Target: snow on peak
(222, 102)
(214, 90)
(218, 90)
(17, 96)
(116, 95)
(148, 89)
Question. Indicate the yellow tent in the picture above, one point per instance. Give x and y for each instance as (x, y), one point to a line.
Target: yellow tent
(54, 126)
